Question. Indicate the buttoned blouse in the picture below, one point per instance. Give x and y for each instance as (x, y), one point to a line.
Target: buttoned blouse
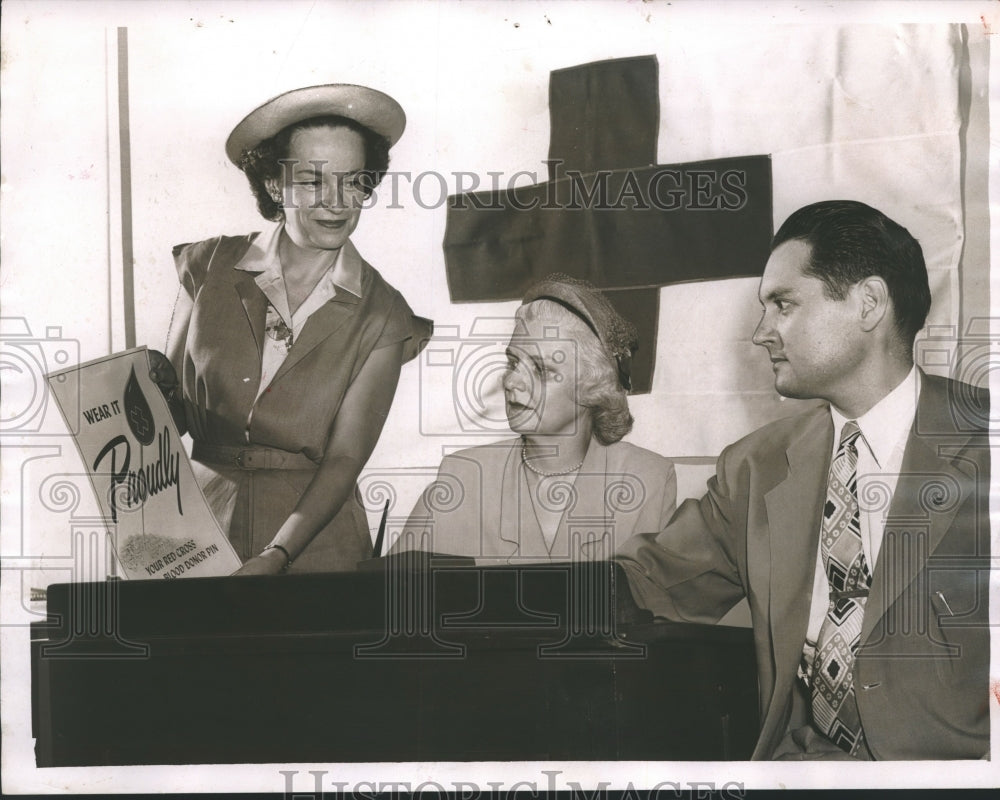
(224, 342)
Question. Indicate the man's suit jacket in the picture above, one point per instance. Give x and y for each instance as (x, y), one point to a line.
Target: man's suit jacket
(921, 675)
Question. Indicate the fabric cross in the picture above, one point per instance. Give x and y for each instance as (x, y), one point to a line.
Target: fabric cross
(609, 213)
(834, 703)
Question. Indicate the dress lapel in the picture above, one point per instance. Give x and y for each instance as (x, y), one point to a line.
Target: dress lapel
(592, 520)
(584, 520)
(331, 316)
(255, 306)
(247, 265)
(321, 325)
(509, 499)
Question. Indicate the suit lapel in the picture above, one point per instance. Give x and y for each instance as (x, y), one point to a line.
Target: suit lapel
(794, 510)
(930, 490)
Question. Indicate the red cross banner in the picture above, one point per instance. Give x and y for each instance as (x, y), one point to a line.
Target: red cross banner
(156, 515)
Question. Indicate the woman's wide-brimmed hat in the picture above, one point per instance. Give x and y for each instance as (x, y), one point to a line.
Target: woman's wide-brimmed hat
(584, 300)
(369, 107)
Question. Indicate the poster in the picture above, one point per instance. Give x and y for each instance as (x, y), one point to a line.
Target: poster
(158, 520)
(888, 103)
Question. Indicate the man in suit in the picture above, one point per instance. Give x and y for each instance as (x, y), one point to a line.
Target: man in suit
(858, 530)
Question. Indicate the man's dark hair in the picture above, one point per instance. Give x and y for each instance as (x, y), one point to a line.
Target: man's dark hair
(851, 241)
(263, 162)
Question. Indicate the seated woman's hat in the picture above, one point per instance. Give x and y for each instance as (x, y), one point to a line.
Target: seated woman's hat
(369, 107)
(581, 298)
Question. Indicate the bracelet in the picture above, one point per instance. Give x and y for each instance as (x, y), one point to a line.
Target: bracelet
(288, 556)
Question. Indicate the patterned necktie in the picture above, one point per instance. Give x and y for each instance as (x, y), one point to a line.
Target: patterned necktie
(834, 705)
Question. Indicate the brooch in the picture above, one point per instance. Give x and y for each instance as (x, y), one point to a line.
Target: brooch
(277, 329)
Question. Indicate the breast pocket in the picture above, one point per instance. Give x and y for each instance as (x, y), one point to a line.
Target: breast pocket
(959, 620)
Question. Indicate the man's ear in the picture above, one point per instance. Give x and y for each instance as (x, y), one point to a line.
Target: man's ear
(873, 296)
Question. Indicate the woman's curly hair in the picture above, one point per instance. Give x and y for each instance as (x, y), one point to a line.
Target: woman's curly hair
(262, 163)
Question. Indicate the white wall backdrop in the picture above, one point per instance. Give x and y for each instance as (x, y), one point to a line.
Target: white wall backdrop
(863, 111)
(883, 103)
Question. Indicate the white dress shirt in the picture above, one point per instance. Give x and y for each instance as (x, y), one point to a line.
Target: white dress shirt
(884, 431)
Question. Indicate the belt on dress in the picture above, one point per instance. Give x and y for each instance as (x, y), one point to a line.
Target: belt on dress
(250, 457)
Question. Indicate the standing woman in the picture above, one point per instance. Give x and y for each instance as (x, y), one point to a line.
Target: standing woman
(287, 343)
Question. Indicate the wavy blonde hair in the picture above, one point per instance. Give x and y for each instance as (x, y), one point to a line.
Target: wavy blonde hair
(598, 387)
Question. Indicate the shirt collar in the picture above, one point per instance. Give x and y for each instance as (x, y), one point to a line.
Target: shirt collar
(886, 422)
(346, 272)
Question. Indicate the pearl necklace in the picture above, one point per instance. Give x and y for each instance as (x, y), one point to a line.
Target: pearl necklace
(543, 473)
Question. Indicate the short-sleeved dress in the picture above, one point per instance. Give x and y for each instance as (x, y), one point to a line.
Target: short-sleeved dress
(255, 456)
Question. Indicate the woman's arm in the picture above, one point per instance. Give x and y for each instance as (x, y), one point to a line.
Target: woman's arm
(355, 434)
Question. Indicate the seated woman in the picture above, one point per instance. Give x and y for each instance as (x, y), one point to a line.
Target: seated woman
(567, 488)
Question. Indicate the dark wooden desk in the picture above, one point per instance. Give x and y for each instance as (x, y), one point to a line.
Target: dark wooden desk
(413, 662)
